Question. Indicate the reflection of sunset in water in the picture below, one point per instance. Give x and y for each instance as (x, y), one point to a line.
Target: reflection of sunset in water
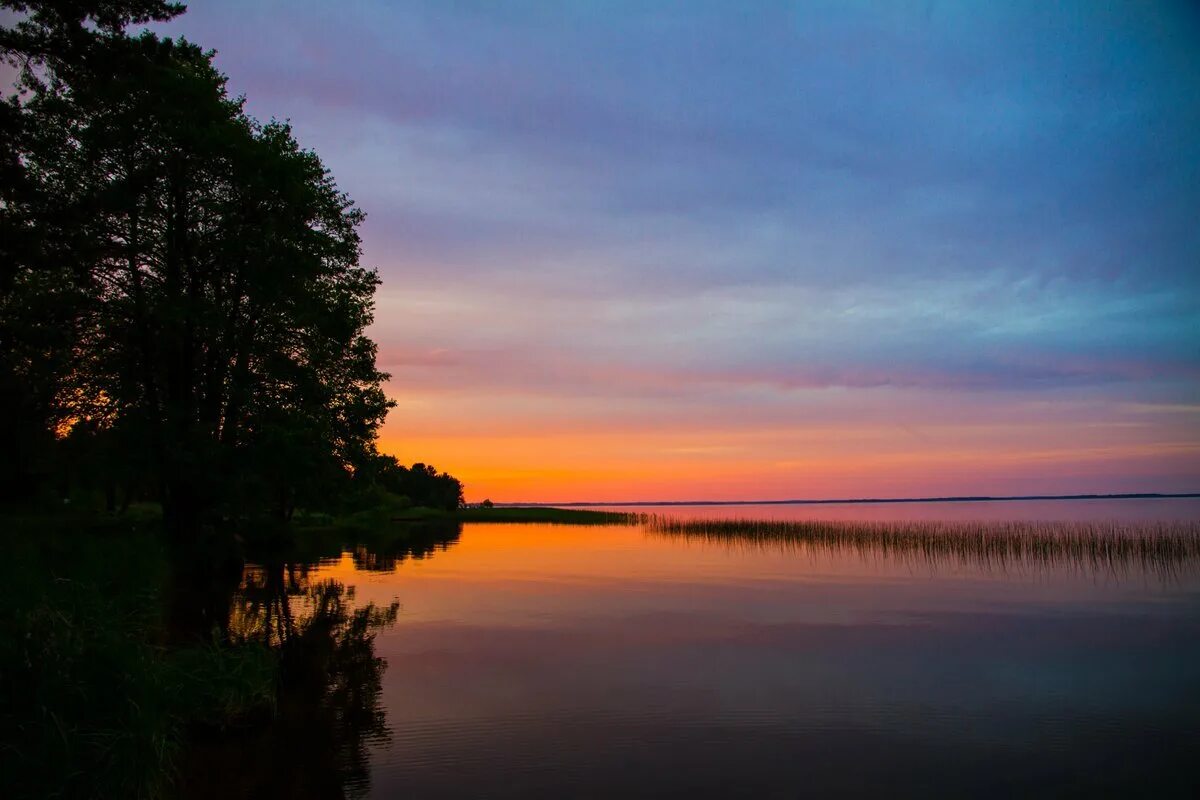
(559, 653)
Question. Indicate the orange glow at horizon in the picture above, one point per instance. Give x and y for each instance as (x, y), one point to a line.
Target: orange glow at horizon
(826, 262)
(567, 397)
(525, 462)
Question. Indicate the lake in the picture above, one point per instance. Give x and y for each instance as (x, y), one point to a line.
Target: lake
(535, 660)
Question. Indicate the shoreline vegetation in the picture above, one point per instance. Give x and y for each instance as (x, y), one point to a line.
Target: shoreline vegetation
(129, 661)
(100, 697)
(184, 365)
(1163, 548)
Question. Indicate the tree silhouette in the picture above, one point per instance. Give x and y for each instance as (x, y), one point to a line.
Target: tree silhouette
(194, 274)
(422, 484)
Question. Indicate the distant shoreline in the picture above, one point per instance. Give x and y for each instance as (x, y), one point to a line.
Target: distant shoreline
(857, 501)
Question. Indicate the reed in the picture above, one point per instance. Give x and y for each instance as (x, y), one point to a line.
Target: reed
(1165, 548)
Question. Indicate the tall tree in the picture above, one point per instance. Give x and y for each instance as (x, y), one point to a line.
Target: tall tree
(208, 266)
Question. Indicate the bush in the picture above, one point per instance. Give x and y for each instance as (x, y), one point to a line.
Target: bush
(92, 703)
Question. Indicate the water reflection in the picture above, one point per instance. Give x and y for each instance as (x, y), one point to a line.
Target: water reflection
(329, 714)
(654, 660)
(383, 553)
(614, 662)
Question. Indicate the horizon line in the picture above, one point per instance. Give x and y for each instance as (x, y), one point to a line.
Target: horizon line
(868, 500)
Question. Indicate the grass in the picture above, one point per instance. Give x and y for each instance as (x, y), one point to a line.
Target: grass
(94, 699)
(1163, 548)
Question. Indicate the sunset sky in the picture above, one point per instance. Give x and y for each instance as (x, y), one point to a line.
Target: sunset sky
(695, 250)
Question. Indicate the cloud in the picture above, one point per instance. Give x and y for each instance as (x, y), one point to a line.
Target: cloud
(923, 143)
(697, 211)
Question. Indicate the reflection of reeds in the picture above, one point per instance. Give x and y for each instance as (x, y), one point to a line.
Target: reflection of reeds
(1162, 548)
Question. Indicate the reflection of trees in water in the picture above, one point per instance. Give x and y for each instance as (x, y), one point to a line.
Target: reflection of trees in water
(419, 541)
(329, 700)
(329, 709)
(1165, 549)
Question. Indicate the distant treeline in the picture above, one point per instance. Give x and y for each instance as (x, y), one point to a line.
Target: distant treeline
(418, 485)
(182, 307)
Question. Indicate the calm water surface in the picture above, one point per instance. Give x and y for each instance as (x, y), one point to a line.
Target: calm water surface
(566, 661)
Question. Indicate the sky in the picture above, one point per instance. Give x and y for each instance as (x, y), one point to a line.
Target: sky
(728, 251)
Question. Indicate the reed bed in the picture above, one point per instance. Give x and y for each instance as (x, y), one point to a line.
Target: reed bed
(1164, 548)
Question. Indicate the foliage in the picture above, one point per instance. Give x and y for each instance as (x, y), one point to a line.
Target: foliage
(421, 484)
(178, 273)
(92, 704)
(182, 320)
(330, 680)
